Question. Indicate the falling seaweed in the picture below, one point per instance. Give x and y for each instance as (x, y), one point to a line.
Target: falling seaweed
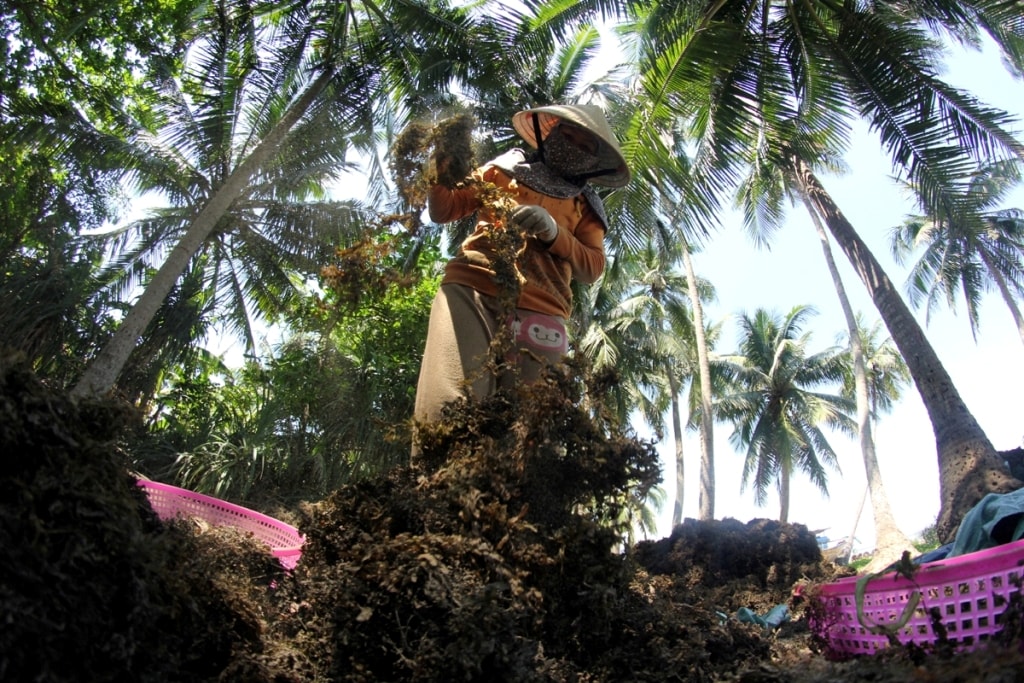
(410, 153)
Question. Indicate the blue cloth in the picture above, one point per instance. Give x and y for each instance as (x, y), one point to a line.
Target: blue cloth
(932, 555)
(775, 617)
(997, 519)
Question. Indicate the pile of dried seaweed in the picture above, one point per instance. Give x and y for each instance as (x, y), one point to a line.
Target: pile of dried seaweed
(497, 557)
(92, 586)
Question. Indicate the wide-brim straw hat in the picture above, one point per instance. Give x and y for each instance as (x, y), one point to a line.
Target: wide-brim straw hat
(586, 116)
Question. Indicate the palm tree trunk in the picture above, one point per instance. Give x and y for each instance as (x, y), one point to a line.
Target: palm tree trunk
(677, 433)
(851, 540)
(785, 477)
(706, 500)
(890, 542)
(969, 467)
(102, 372)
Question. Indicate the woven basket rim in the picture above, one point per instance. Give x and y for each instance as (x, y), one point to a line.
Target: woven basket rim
(942, 571)
(211, 503)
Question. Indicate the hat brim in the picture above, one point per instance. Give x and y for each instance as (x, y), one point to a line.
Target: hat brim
(588, 117)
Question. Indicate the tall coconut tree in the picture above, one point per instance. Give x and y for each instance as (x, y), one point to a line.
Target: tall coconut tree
(778, 408)
(665, 167)
(969, 466)
(772, 85)
(706, 427)
(890, 542)
(884, 376)
(975, 245)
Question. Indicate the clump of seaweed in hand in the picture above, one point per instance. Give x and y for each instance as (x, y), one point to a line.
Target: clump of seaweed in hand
(452, 158)
(509, 245)
(424, 155)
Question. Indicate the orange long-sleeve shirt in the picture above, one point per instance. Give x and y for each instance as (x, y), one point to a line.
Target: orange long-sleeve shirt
(577, 251)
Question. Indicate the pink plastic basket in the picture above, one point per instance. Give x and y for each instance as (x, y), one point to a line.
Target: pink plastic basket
(970, 592)
(169, 502)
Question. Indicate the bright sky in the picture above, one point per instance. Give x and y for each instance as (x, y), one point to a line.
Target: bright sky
(988, 373)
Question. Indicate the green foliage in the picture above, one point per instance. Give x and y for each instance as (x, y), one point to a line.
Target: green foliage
(89, 58)
(51, 307)
(331, 405)
(860, 563)
(96, 53)
(50, 311)
(70, 62)
(928, 539)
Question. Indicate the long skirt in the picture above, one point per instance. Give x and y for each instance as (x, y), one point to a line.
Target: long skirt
(463, 322)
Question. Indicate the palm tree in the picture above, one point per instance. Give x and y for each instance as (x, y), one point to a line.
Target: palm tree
(772, 86)
(301, 87)
(890, 541)
(776, 412)
(702, 345)
(665, 208)
(711, 380)
(666, 169)
(884, 375)
(969, 466)
(968, 249)
(645, 333)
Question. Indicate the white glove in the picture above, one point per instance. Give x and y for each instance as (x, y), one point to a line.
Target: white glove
(534, 220)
